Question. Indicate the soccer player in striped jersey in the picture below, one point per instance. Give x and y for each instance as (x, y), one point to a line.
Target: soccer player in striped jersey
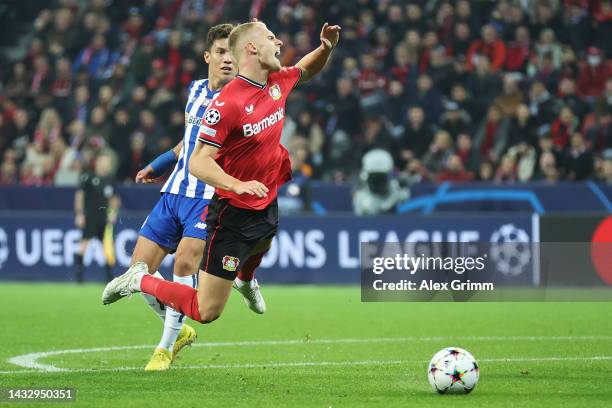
(177, 223)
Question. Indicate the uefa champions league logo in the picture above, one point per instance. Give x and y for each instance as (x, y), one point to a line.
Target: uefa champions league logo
(510, 249)
(4, 248)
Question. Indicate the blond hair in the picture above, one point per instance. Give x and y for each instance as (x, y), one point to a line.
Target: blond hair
(237, 33)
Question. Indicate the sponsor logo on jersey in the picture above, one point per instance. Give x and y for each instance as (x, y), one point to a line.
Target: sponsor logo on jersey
(252, 129)
(192, 120)
(217, 103)
(200, 225)
(207, 131)
(249, 109)
(212, 116)
(230, 263)
(275, 92)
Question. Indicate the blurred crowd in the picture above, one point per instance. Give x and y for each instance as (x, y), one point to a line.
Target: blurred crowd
(507, 91)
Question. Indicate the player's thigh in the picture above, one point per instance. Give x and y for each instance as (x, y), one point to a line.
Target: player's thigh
(148, 252)
(192, 215)
(213, 292)
(162, 226)
(188, 256)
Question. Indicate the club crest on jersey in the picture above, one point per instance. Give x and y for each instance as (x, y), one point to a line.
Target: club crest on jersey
(275, 92)
(212, 116)
(230, 263)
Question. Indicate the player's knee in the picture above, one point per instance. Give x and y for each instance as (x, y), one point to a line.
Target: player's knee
(209, 315)
(184, 266)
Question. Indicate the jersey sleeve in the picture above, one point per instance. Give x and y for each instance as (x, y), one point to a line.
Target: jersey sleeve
(290, 76)
(218, 122)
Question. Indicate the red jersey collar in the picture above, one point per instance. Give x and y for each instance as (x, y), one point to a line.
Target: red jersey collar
(250, 81)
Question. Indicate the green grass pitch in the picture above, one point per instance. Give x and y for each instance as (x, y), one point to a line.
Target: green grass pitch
(314, 347)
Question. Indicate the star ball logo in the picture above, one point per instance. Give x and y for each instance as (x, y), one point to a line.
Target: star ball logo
(4, 249)
(510, 249)
(212, 116)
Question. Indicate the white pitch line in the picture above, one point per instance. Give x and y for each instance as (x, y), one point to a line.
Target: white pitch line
(30, 360)
(307, 364)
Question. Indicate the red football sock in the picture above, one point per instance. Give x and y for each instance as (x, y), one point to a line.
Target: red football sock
(181, 298)
(247, 271)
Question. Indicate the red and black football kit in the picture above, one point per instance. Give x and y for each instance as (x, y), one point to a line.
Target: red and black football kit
(245, 122)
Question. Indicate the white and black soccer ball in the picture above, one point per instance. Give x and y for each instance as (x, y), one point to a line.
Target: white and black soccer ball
(212, 116)
(453, 370)
(510, 249)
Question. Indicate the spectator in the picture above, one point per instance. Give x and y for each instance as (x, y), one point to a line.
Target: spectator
(404, 65)
(484, 85)
(547, 45)
(569, 98)
(455, 120)
(142, 60)
(439, 151)
(579, 159)
(466, 152)
(519, 51)
(603, 105)
(607, 169)
(561, 129)
(522, 127)
(454, 171)
(395, 107)
(486, 171)
(490, 46)
(440, 70)
(548, 171)
(376, 136)
(346, 109)
(370, 82)
(94, 59)
(427, 97)
(541, 104)
(461, 40)
(506, 172)
(593, 74)
(417, 135)
(492, 135)
(510, 97)
(524, 157)
(98, 126)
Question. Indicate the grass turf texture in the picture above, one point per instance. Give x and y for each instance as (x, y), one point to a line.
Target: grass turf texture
(45, 317)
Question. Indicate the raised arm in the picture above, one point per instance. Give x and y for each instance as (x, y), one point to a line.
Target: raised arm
(313, 62)
(202, 164)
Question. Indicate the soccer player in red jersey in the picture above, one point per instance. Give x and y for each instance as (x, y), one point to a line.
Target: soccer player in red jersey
(241, 156)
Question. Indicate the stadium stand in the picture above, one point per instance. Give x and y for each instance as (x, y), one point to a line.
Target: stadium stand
(506, 91)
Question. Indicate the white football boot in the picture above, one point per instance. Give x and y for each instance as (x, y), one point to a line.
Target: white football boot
(252, 295)
(125, 284)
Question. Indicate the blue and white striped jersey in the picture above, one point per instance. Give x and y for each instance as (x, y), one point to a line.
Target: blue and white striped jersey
(182, 182)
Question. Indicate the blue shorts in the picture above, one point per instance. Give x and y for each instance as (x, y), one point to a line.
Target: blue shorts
(173, 217)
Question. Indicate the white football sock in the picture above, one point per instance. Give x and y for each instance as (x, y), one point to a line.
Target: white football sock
(174, 320)
(152, 301)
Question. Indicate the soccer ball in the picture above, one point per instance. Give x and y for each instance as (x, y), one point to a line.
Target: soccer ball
(453, 370)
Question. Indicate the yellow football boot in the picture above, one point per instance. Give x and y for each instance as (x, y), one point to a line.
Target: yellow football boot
(186, 337)
(160, 361)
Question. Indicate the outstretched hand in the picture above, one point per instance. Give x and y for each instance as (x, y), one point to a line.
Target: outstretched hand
(145, 176)
(330, 35)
